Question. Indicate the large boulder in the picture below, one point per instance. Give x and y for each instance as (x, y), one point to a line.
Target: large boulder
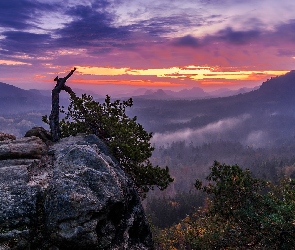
(74, 197)
(40, 132)
(29, 147)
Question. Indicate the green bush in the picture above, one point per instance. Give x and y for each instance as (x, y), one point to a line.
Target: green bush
(126, 138)
(241, 213)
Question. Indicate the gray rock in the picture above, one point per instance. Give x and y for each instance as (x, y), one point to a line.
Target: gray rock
(17, 162)
(6, 137)
(40, 132)
(77, 197)
(17, 206)
(30, 147)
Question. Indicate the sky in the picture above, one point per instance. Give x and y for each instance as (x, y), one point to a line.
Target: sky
(121, 45)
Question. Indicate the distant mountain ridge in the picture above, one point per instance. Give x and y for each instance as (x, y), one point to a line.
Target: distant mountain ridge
(280, 86)
(7, 90)
(272, 105)
(275, 87)
(189, 93)
(64, 94)
(225, 92)
(193, 93)
(14, 99)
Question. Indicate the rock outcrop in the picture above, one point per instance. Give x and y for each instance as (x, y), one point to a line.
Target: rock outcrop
(70, 195)
(40, 132)
(25, 148)
(6, 137)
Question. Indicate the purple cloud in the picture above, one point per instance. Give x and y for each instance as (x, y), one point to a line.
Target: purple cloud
(24, 42)
(238, 37)
(21, 14)
(90, 28)
(286, 31)
(160, 26)
(188, 41)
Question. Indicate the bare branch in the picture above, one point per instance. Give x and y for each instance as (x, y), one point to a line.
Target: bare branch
(54, 116)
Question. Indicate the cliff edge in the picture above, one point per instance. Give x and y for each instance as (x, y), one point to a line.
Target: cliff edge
(69, 195)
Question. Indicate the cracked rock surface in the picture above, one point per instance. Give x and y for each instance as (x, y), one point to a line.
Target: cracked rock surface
(69, 195)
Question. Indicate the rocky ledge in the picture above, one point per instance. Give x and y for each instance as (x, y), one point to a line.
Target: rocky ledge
(67, 195)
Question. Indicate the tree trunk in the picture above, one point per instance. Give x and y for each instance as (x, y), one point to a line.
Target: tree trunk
(54, 116)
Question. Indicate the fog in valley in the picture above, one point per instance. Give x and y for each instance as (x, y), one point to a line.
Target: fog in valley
(19, 124)
(255, 130)
(221, 130)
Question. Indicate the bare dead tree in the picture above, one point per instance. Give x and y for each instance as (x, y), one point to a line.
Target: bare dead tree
(54, 116)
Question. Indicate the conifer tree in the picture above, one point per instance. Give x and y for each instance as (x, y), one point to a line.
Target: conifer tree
(126, 138)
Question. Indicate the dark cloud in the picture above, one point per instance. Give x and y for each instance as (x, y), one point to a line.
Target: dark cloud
(21, 14)
(162, 26)
(159, 26)
(188, 41)
(228, 35)
(83, 11)
(17, 17)
(276, 37)
(281, 33)
(286, 31)
(279, 36)
(90, 26)
(24, 42)
(238, 37)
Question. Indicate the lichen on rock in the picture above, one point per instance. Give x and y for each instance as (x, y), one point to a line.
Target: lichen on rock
(6, 137)
(74, 196)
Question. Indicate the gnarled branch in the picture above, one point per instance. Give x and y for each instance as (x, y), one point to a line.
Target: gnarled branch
(54, 116)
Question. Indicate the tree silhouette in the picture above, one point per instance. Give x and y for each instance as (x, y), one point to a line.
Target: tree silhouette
(54, 116)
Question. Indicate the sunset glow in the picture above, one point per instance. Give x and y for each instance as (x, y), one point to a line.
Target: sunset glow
(11, 63)
(154, 44)
(138, 83)
(192, 72)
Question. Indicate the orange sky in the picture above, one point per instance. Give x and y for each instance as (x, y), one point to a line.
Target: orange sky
(160, 44)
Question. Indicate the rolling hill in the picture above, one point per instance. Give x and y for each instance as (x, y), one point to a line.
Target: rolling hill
(14, 100)
(270, 107)
(270, 110)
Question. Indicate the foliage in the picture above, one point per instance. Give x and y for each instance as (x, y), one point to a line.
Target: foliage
(126, 138)
(241, 213)
(188, 161)
(166, 211)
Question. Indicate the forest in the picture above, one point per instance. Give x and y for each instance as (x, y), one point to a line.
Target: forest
(254, 131)
(251, 134)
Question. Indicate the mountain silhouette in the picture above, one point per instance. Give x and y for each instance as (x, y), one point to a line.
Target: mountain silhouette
(159, 94)
(277, 93)
(15, 100)
(279, 88)
(191, 94)
(225, 92)
(194, 92)
(7, 90)
(270, 105)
